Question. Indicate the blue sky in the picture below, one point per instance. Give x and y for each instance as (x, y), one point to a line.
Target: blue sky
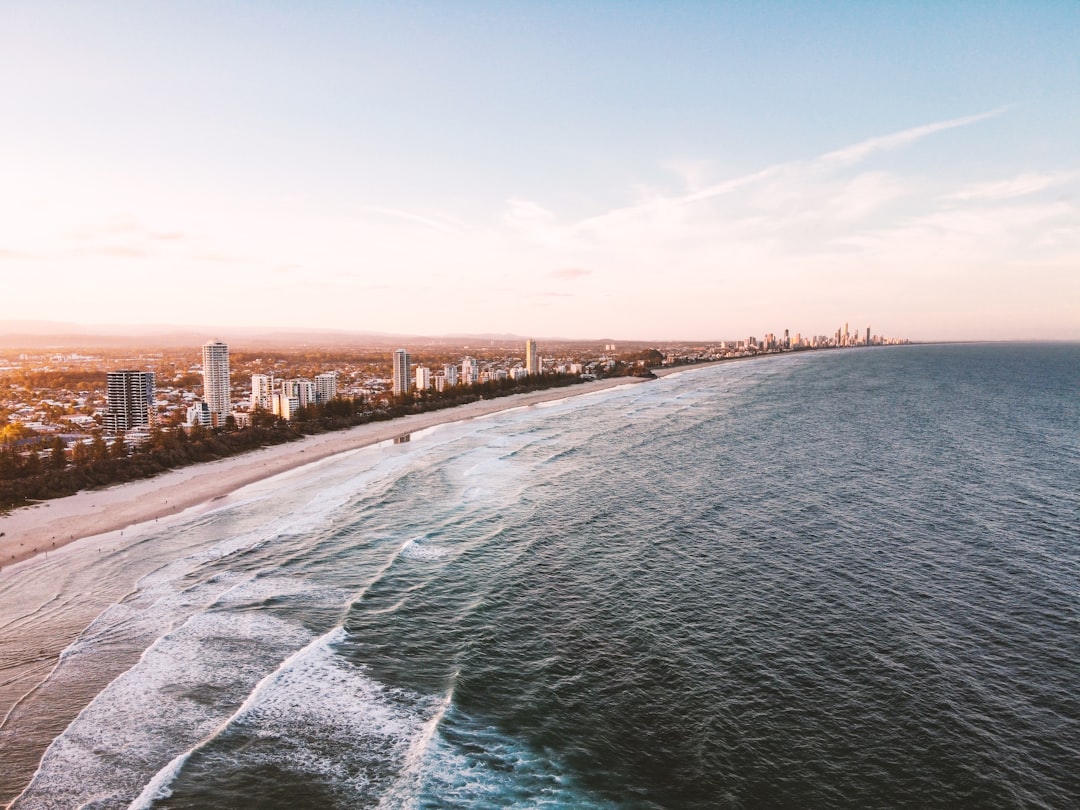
(623, 170)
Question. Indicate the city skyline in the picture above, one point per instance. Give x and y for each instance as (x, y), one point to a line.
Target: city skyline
(667, 172)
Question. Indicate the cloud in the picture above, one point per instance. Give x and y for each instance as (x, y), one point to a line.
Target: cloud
(220, 258)
(1020, 186)
(790, 176)
(438, 222)
(286, 268)
(15, 254)
(858, 152)
(122, 251)
(570, 273)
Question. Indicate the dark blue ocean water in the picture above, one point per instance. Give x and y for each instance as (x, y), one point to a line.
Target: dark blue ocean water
(838, 579)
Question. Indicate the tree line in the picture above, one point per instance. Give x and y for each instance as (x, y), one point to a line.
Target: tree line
(49, 471)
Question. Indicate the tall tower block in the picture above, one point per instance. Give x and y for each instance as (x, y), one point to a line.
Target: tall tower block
(216, 386)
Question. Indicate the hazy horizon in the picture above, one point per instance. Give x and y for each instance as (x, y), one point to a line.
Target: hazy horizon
(654, 172)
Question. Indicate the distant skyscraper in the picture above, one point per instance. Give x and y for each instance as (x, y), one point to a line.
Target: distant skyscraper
(470, 371)
(868, 336)
(402, 362)
(129, 400)
(532, 357)
(216, 386)
(326, 387)
(262, 391)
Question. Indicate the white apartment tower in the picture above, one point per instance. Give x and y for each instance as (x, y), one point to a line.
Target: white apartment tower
(129, 400)
(532, 358)
(470, 371)
(423, 378)
(215, 370)
(402, 362)
(262, 391)
(450, 374)
(303, 391)
(325, 387)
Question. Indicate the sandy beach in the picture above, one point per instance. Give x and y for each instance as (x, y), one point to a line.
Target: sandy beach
(50, 525)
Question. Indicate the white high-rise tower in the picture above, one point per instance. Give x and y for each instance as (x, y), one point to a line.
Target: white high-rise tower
(532, 357)
(402, 382)
(215, 370)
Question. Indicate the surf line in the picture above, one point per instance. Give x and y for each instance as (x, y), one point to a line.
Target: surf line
(158, 786)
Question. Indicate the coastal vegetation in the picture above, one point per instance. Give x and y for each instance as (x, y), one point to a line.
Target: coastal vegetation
(48, 471)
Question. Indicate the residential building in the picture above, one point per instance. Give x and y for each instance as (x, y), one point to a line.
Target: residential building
(532, 358)
(129, 399)
(326, 387)
(470, 371)
(402, 364)
(262, 391)
(423, 378)
(215, 371)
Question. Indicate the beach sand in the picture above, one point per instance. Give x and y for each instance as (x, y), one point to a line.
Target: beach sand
(50, 525)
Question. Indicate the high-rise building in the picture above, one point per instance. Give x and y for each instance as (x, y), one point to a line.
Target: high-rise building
(129, 400)
(402, 363)
(215, 370)
(303, 391)
(262, 391)
(325, 386)
(450, 372)
(470, 371)
(532, 357)
(423, 378)
(868, 336)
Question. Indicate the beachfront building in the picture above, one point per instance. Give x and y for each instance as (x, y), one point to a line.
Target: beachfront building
(423, 378)
(532, 358)
(402, 364)
(199, 414)
(215, 371)
(129, 400)
(303, 391)
(262, 391)
(325, 387)
(284, 405)
(450, 375)
(470, 371)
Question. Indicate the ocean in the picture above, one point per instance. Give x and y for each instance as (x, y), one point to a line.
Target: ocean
(828, 579)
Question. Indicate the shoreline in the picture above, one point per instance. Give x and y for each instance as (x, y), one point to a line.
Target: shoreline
(37, 529)
(48, 526)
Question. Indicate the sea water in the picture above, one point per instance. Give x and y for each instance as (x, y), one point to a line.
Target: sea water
(827, 579)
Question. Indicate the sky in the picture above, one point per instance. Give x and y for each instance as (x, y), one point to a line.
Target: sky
(629, 170)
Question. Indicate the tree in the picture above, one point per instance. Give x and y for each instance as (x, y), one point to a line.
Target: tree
(98, 449)
(119, 448)
(57, 456)
(81, 453)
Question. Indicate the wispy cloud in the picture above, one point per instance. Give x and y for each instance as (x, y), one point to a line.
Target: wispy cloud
(438, 222)
(1020, 186)
(120, 251)
(788, 173)
(570, 273)
(16, 254)
(858, 152)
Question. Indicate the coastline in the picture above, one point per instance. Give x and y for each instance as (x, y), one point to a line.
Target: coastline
(48, 526)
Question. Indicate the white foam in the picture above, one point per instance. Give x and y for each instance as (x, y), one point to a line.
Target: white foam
(419, 549)
(172, 698)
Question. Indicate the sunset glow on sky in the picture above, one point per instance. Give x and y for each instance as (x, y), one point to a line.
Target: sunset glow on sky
(633, 171)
